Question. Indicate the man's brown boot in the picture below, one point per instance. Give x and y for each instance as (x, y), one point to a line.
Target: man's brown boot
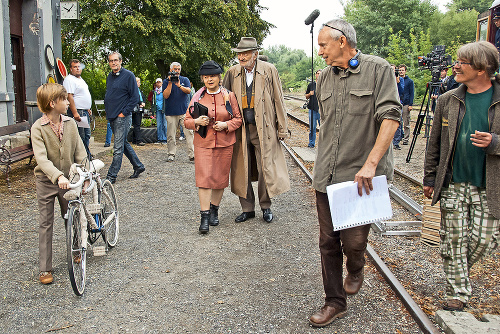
(326, 315)
(353, 283)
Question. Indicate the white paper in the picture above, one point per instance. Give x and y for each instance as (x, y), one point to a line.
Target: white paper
(84, 123)
(348, 209)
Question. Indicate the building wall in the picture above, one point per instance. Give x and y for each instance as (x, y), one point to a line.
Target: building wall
(6, 80)
(41, 26)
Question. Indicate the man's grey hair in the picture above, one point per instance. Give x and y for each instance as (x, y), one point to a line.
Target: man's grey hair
(346, 28)
(483, 56)
(175, 64)
(115, 53)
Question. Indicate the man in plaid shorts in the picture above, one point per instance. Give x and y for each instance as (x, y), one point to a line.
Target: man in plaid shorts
(462, 165)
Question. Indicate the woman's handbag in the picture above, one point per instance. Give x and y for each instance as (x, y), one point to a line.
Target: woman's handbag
(197, 111)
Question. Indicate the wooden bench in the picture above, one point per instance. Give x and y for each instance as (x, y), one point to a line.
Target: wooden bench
(13, 154)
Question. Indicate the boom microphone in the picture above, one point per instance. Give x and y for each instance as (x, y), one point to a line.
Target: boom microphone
(313, 16)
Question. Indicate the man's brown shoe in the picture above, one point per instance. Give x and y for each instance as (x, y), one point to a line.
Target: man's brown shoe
(326, 315)
(454, 305)
(353, 283)
(46, 277)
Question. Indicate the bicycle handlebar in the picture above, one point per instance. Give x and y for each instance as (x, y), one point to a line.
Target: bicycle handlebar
(84, 175)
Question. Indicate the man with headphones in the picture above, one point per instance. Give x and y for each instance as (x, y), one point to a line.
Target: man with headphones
(360, 112)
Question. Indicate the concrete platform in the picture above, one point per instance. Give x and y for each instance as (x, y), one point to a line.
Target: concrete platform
(466, 323)
(305, 153)
(97, 148)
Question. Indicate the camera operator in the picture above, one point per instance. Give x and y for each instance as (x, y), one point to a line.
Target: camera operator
(406, 93)
(176, 91)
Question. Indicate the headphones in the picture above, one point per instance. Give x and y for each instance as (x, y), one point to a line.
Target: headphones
(117, 73)
(353, 63)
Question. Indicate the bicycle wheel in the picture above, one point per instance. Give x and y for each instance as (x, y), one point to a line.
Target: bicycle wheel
(109, 207)
(76, 252)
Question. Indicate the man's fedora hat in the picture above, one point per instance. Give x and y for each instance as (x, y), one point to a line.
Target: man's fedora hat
(246, 44)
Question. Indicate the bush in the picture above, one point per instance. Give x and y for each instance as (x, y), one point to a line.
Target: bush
(148, 122)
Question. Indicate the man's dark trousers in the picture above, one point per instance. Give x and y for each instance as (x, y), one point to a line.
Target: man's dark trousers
(351, 241)
(136, 127)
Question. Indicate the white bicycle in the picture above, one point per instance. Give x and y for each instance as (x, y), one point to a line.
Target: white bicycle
(92, 212)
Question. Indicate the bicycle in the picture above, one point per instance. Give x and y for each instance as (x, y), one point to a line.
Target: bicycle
(91, 213)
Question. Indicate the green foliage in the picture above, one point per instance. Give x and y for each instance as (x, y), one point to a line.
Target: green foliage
(148, 122)
(293, 66)
(464, 5)
(374, 19)
(453, 27)
(150, 34)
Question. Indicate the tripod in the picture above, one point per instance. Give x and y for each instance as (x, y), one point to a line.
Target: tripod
(431, 87)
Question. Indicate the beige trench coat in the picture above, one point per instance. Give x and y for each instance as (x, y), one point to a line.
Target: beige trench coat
(271, 122)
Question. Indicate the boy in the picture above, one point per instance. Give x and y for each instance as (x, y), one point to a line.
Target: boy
(57, 145)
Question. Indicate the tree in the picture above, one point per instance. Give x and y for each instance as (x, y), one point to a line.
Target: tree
(293, 66)
(478, 5)
(453, 27)
(152, 33)
(374, 19)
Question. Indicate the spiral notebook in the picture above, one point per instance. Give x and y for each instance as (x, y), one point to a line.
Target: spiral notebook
(348, 209)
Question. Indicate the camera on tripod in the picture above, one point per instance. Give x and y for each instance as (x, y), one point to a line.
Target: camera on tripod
(174, 76)
(436, 61)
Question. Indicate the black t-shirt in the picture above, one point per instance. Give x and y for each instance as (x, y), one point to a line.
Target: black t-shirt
(313, 101)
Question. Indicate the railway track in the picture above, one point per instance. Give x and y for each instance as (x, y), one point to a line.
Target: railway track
(422, 320)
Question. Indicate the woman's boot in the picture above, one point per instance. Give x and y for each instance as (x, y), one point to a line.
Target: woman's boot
(205, 218)
(214, 215)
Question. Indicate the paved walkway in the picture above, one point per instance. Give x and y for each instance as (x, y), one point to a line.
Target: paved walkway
(164, 277)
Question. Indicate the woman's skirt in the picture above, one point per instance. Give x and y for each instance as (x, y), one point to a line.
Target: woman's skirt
(211, 166)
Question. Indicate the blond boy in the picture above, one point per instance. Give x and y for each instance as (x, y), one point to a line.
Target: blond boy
(57, 145)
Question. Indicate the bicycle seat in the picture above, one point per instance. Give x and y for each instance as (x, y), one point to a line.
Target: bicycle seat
(96, 165)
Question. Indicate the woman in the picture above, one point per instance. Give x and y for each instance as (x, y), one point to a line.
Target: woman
(213, 153)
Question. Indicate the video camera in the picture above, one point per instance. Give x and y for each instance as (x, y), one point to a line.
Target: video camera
(174, 76)
(436, 61)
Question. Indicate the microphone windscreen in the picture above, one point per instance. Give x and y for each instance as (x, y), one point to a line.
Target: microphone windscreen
(313, 16)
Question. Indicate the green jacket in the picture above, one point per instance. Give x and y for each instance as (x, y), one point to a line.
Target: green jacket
(450, 110)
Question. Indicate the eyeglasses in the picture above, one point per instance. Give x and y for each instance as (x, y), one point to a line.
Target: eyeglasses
(326, 25)
(460, 63)
(114, 60)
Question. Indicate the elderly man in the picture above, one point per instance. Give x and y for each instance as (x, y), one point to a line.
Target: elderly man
(462, 166)
(360, 112)
(258, 155)
(120, 100)
(177, 93)
(79, 99)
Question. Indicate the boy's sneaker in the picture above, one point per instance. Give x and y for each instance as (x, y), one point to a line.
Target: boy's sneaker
(45, 277)
(182, 138)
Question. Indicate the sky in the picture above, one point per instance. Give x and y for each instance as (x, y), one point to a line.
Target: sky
(288, 17)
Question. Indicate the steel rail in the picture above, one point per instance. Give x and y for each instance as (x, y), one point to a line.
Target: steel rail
(423, 322)
(291, 97)
(408, 177)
